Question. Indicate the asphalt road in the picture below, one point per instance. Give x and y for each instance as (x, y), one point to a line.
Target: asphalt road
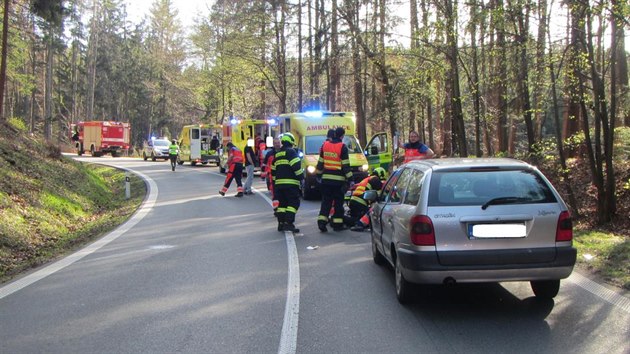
(195, 272)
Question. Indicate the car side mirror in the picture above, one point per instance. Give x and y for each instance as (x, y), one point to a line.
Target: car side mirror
(370, 196)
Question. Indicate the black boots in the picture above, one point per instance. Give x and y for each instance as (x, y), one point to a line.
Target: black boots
(321, 224)
(290, 227)
(287, 226)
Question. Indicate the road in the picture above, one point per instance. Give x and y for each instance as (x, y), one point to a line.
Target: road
(195, 272)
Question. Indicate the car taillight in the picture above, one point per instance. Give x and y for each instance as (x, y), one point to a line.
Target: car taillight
(421, 231)
(564, 231)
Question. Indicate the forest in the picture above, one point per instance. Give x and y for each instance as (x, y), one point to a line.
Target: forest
(541, 80)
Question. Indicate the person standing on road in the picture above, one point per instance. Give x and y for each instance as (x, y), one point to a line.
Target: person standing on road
(415, 150)
(173, 151)
(266, 172)
(250, 162)
(235, 171)
(287, 173)
(333, 170)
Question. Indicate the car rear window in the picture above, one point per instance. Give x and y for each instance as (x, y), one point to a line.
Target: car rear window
(478, 187)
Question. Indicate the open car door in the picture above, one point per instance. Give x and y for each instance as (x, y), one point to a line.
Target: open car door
(379, 152)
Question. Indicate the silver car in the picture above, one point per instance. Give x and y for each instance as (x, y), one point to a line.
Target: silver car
(156, 149)
(443, 221)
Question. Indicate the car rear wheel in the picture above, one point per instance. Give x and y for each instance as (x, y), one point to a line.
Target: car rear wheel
(545, 289)
(152, 157)
(404, 289)
(377, 256)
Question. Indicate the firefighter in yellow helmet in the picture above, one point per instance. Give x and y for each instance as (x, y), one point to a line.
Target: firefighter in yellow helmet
(286, 174)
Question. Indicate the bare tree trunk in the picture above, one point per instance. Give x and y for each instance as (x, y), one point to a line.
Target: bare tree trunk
(358, 84)
(3, 64)
(300, 60)
(537, 94)
(620, 82)
(559, 141)
(311, 53)
(500, 90)
(263, 61)
(48, 102)
(475, 77)
(335, 77)
(457, 116)
(522, 21)
(91, 61)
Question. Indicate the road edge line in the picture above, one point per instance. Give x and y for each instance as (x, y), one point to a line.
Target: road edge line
(144, 209)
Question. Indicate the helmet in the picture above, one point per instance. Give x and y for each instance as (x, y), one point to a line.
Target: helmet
(287, 138)
(380, 172)
(174, 141)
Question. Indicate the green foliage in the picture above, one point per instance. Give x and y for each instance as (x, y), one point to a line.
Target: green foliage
(606, 253)
(17, 124)
(50, 204)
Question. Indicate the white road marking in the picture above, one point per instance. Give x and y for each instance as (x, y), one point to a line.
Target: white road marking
(602, 292)
(64, 262)
(288, 336)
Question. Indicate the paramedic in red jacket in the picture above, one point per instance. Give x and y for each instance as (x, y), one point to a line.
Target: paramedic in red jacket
(235, 170)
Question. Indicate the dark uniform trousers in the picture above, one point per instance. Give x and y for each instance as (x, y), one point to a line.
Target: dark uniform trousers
(288, 203)
(333, 193)
(357, 210)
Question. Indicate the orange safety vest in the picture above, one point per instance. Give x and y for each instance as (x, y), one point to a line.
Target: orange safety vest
(332, 155)
(237, 155)
(413, 154)
(360, 188)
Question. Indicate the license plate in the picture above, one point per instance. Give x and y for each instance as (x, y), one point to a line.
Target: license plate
(497, 230)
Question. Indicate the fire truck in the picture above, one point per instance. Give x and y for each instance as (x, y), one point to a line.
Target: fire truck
(101, 137)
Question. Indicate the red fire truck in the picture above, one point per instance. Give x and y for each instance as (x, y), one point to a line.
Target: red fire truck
(101, 137)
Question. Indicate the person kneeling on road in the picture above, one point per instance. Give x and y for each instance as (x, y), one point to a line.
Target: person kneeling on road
(287, 172)
(358, 206)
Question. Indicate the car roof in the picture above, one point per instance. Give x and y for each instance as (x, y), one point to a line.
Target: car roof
(468, 163)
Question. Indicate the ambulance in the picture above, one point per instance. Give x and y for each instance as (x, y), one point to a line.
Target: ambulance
(200, 143)
(310, 129)
(257, 133)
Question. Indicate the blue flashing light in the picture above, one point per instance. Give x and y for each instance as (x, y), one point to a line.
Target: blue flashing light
(272, 121)
(152, 138)
(300, 154)
(314, 114)
(234, 121)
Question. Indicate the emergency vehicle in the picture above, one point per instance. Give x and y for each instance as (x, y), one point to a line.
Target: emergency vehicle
(252, 132)
(101, 137)
(200, 143)
(310, 129)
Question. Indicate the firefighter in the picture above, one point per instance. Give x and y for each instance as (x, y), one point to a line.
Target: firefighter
(287, 173)
(358, 206)
(333, 170)
(267, 162)
(173, 151)
(235, 170)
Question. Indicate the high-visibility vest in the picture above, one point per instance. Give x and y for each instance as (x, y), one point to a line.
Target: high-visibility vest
(332, 155)
(172, 149)
(360, 188)
(237, 155)
(412, 154)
